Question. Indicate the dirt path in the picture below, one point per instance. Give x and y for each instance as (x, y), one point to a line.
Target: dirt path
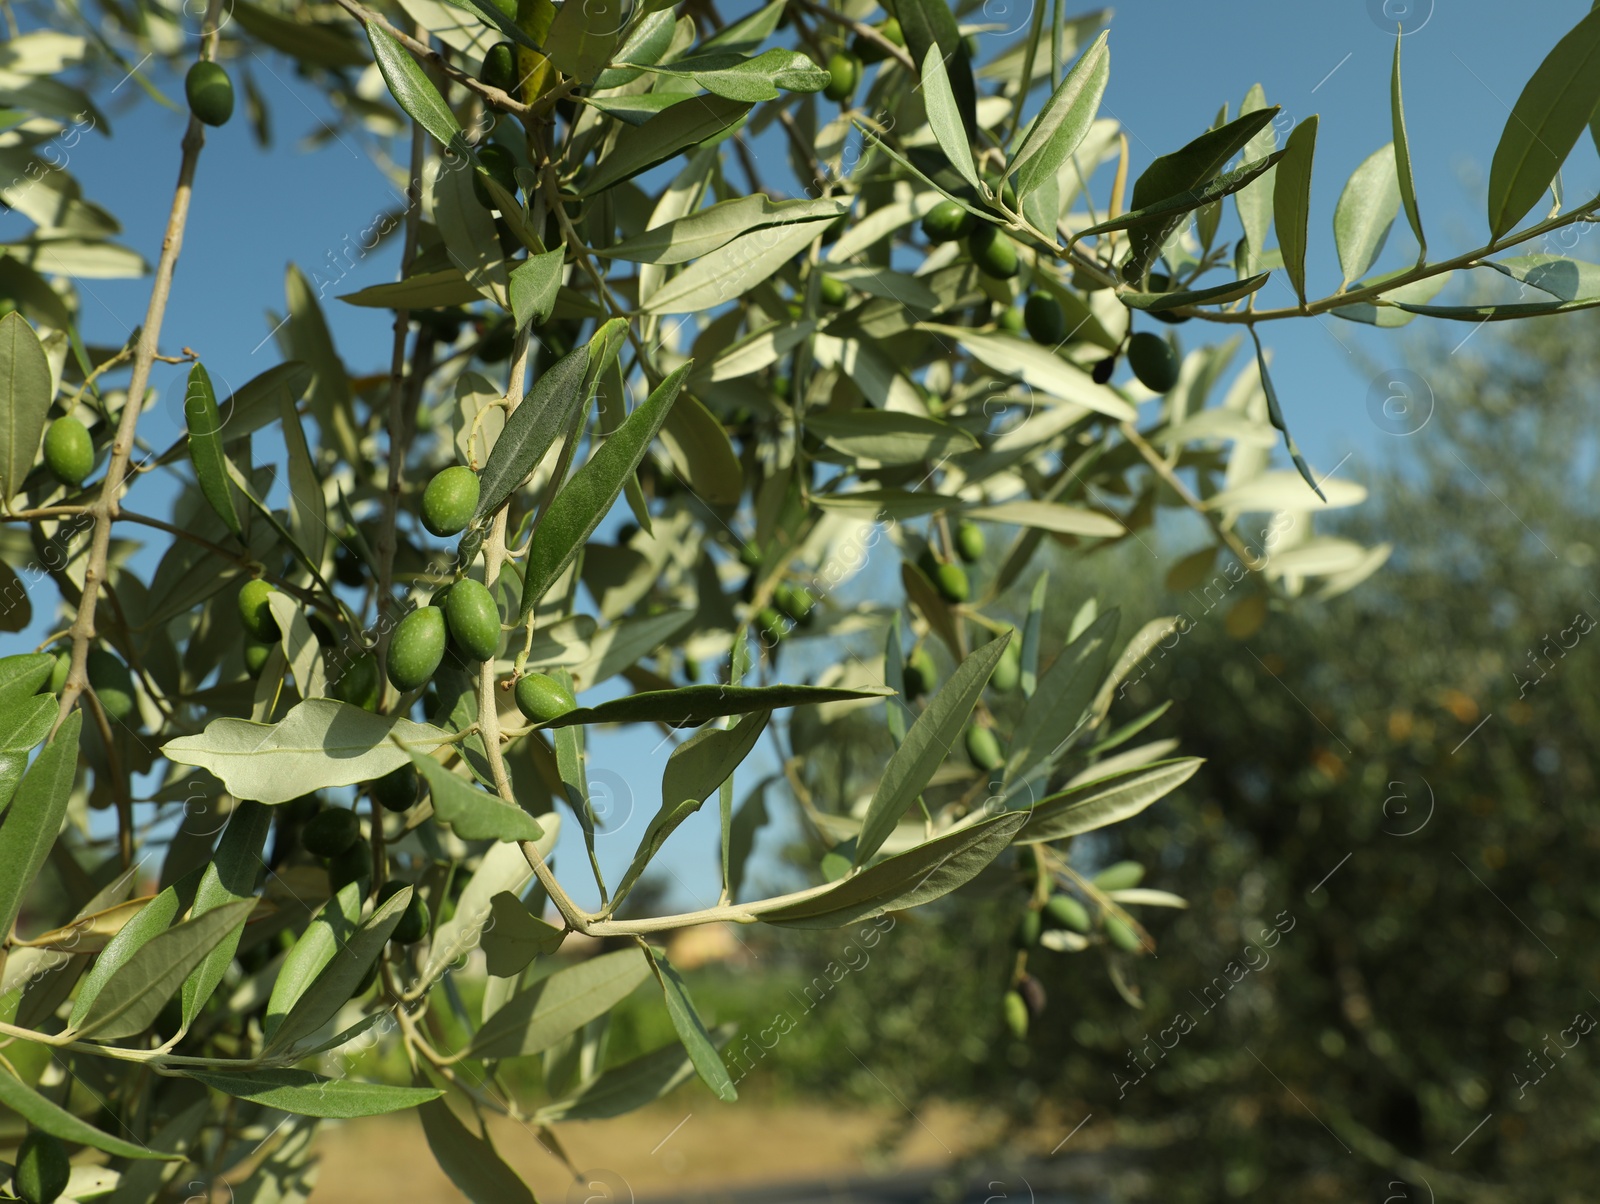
(666, 1149)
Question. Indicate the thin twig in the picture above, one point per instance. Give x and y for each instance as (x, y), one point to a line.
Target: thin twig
(106, 506)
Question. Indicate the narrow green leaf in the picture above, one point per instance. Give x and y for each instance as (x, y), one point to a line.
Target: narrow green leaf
(696, 768)
(411, 88)
(688, 706)
(334, 986)
(130, 1002)
(926, 24)
(1402, 153)
(1180, 172)
(890, 437)
(894, 678)
(229, 877)
(701, 452)
(1275, 415)
(25, 721)
(926, 745)
(469, 1161)
(749, 819)
(48, 1117)
(582, 38)
(732, 270)
(1566, 279)
(1060, 127)
(24, 672)
(515, 936)
(1366, 209)
(1056, 711)
(530, 431)
(332, 926)
(945, 118)
(1215, 294)
(152, 920)
(471, 813)
(919, 875)
(705, 230)
(629, 1086)
(1254, 200)
(425, 290)
(536, 1018)
(1189, 199)
(1506, 312)
(317, 745)
(1291, 201)
(534, 285)
(729, 74)
(639, 148)
(24, 401)
(587, 497)
(691, 1029)
(1105, 801)
(308, 1094)
(204, 421)
(34, 818)
(1032, 633)
(1556, 105)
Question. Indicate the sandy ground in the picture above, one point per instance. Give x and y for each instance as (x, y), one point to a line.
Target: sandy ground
(661, 1150)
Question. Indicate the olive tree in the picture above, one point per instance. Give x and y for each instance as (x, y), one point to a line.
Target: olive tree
(338, 711)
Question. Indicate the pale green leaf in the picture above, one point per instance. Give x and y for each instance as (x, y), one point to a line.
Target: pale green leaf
(536, 1018)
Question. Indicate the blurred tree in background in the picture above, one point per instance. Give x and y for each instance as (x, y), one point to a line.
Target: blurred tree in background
(1399, 790)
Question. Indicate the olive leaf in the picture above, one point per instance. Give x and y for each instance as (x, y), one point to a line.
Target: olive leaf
(1291, 201)
(308, 1094)
(469, 1161)
(531, 429)
(34, 818)
(320, 743)
(204, 422)
(473, 814)
(49, 1117)
(584, 500)
(690, 1028)
(925, 747)
(230, 877)
(25, 391)
(639, 148)
(1105, 800)
(537, 1017)
(1061, 125)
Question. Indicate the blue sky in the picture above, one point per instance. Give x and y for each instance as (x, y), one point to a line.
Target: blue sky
(1172, 66)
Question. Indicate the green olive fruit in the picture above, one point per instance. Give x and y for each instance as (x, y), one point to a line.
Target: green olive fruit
(1153, 361)
(542, 698)
(983, 749)
(330, 832)
(1064, 911)
(1011, 320)
(951, 582)
(1008, 669)
(352, 865)
(501, 164)
(500, 68)
(417, 648)
(397, 789)
(920, 675)
(1121, 875)
(449, 500)
(1016, 1014)
(256, 653)
(358, 684)
(113, 684)
(1102, 372)
(750, 555)
(844, 72)
(1123, 937)
(691, 667)
(254, 611)
(834, 292)
(969, 541)
(946, 222)
(772, 625)
(68, 451)
(993, 253)
(474, 619)
(1047, 322)
(794, 601)
(210, 93)
(43, 1168)
(59, 671)
(1026, 933)
(413, 925)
